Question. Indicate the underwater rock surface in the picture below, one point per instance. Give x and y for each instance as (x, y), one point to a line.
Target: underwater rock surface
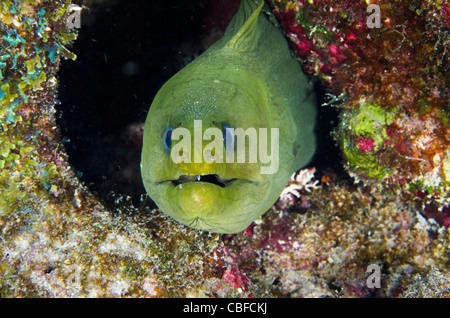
(387, 69)
(57, 239)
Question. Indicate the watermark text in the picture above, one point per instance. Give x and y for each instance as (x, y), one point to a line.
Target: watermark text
(238, 150)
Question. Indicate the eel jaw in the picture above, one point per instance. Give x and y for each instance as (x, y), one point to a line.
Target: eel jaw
(209, 178)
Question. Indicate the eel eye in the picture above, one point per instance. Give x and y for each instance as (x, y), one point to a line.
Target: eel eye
(167, 139)
(228, 137)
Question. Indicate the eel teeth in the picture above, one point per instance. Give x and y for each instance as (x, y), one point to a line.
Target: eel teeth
(209, 178)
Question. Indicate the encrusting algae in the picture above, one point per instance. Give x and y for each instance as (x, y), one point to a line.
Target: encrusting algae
(386, 67)
(58, 240)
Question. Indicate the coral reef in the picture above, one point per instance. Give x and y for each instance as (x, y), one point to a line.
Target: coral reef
(58, 240)
(386, 66)
(433, 285)
(32, 41)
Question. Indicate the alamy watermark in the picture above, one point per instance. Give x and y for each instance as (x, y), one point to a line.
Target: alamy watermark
(374, 279)
(257, 150)
(74, 18)
(374, 19)
(74, 279)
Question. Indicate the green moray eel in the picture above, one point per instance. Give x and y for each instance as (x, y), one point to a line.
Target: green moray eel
(249, 80)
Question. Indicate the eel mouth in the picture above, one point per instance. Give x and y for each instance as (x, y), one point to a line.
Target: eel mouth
(209, 178)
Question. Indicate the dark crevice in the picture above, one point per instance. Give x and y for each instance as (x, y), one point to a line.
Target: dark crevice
(327, 158)
(126, 50)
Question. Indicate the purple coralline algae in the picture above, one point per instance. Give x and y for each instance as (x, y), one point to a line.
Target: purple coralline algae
(386, 67)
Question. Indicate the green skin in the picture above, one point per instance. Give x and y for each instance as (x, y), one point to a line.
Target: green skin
(247, 79)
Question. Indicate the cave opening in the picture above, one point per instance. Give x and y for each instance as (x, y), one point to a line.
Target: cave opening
(126, 50)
